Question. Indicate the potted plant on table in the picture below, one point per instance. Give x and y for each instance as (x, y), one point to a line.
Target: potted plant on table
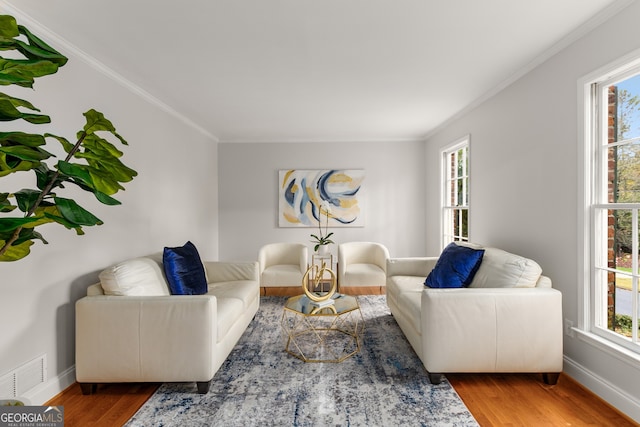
(322, 240)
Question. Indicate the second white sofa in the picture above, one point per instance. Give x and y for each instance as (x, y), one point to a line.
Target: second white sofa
(509, 318)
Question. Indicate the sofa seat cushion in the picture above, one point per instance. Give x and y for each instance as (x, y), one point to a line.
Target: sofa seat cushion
(244, 290)
(135, 277)
(364, 275)
(229, 311)
(411, 302)
(281, 275)
(501, 269)
(398, 284)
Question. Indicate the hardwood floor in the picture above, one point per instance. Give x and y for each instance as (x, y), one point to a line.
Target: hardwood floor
(111, 406)
(493, 399)
(525, 400)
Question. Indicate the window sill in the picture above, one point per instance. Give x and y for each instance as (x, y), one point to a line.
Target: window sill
(619, 352)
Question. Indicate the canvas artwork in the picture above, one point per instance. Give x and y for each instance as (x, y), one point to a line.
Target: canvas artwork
(303, 191)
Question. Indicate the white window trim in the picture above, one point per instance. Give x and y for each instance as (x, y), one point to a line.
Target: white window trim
(444, 170)
(587, 187)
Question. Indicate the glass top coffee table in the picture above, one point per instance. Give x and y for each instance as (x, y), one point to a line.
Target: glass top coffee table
(326, 331)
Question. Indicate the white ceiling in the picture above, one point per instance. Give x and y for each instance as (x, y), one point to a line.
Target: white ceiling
(314, 70)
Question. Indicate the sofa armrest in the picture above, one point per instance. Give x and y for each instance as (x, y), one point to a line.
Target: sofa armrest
(492, 330)
(145, 339)
(219, 271)
(419, 266)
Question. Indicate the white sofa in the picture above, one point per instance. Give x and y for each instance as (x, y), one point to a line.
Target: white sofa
(140, 333)
(509, 319)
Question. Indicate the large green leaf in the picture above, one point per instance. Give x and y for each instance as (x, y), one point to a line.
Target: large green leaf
(38, 49)
(26, 198)
(77, 171)
(23, 72)
(22, 138)
(17, 102)
(80, 175)
(68, 224)
(26, 153)
(8, 225)
(105, 182)
(11, 164)
(16, 252)
(110, 165)
(9, 110)
(96, 121)
(100, 146)
(107, 200)
(74, 213)
(8, 27)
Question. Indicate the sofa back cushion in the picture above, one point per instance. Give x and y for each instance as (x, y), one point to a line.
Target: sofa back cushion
(139, 276)
(501, 269)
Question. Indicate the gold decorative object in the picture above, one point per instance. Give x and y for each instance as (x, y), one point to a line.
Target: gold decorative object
(314, 279)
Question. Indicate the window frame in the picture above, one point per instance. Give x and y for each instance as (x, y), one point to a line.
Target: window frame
(447, 234)
(592, 172)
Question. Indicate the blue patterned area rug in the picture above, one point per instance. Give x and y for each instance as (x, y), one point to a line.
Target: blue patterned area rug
(262, 385)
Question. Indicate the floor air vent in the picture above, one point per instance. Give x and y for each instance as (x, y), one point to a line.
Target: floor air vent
(24, 378)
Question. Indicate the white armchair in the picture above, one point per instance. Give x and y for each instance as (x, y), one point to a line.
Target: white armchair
(362, 267)
(281, 267)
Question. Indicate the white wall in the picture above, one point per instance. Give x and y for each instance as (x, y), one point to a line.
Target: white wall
(394, 206)
(524, 184)
(173, 199)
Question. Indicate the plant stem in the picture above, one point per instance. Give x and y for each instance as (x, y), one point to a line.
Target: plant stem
(45, 192)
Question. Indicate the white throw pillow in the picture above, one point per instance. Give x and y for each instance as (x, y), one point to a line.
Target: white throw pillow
(501, 269)
(138, 276)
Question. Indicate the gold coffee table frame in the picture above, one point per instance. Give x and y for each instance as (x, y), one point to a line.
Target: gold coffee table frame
(322, 334)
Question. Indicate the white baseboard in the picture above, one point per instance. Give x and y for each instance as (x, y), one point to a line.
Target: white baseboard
(44, 392)
(603, 388)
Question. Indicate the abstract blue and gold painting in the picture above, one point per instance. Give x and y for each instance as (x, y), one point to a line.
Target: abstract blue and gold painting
(307, 196)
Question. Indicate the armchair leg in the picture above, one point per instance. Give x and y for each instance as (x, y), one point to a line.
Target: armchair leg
(203, 386)
(550, 378)
(88, 388)
(435, 379)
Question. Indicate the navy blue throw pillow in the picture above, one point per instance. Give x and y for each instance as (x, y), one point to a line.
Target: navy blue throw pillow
(455, 268)
(184, 270)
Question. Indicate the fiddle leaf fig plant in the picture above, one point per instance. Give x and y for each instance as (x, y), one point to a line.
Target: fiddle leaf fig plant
(91, 163)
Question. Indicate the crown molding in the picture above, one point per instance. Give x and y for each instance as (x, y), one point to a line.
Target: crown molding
(363, 140)
(65, 45)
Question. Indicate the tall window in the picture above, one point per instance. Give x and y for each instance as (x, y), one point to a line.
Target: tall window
(615, 205)
(455, 194)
